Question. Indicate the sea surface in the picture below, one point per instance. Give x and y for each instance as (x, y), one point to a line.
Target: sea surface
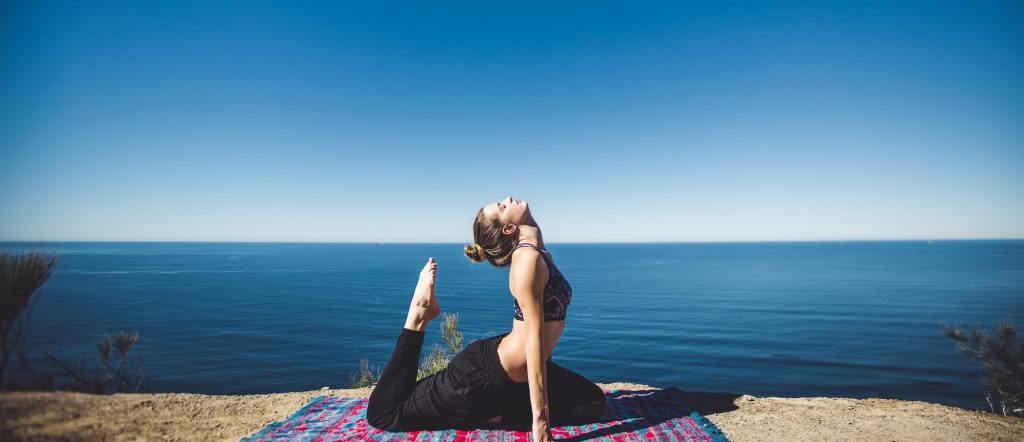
(851, 319)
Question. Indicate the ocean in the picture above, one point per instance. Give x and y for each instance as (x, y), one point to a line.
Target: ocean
(852, 319)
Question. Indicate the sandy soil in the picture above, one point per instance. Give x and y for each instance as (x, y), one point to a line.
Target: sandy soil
(176, 416)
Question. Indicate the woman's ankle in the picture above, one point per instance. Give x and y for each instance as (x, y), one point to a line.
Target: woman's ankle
(420, 330)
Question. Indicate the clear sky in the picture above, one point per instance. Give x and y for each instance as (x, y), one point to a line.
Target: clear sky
(380, 121)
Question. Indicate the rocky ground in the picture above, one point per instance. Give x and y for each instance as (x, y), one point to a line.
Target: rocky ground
(178, 416)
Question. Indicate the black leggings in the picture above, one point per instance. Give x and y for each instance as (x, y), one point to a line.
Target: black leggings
(472, 389)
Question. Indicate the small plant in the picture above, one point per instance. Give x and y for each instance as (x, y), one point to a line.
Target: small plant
(21, 278)
(366, 377)
(439, 356)
(436, 361)
(121, 375)
(1003, 359)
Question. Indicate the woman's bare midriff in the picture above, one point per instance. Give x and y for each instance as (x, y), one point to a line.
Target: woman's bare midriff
(512, 348)
(512, 351)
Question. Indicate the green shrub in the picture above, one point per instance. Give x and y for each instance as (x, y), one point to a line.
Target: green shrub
(1003, 361)
(120, 374)
(435, 361)
(440, 356)
(365, 377)
(21, 278)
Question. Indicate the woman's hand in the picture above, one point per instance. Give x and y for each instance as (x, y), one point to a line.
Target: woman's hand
(542, 432)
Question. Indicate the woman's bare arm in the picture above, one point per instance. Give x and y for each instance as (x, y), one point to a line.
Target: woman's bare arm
(529, 276)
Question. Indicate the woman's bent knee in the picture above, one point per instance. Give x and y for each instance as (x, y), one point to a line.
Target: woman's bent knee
(595, 408)
(381, 419)
(592, 405)
(383, 423)
(587, 408)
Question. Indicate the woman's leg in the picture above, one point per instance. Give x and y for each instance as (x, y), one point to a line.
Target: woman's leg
(398, 379)
(462, 395)
(572, 398)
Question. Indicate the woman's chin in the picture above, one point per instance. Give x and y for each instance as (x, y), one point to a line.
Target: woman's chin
(529, 219)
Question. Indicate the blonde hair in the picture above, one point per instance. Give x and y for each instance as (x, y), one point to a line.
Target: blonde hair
(489, 242)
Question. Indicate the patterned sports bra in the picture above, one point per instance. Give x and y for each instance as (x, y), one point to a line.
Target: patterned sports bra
(557, 292)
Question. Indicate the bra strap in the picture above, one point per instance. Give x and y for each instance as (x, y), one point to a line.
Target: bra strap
(543, 253)
(526, 244)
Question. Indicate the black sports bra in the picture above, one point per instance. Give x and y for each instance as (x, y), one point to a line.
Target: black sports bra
(557, 292)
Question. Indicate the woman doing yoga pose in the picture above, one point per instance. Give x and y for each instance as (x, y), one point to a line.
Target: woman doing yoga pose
(507, 380)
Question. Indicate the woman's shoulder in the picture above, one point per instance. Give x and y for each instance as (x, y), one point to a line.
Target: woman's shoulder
(527, 261)
(525, 255)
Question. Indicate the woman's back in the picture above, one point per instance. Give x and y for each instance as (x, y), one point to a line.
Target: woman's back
(512, 348)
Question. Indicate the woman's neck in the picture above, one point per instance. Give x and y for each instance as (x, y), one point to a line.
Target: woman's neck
(532, 235)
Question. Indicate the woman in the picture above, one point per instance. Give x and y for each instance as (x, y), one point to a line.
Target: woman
(508, 380)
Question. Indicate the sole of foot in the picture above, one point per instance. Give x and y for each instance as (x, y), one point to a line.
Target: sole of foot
(424, 306)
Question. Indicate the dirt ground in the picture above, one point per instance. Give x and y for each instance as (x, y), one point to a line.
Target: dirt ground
(179, 416)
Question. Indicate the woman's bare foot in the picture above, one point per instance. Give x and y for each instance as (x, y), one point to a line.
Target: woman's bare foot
(424, 307)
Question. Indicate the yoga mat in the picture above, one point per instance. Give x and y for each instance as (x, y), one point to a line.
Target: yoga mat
(630, 415)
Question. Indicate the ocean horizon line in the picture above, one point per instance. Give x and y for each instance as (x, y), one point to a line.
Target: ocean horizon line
(770, 241)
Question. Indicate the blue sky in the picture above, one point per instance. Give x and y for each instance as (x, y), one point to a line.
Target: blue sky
(380, 121)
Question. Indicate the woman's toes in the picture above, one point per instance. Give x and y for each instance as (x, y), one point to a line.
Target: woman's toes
(424, 302)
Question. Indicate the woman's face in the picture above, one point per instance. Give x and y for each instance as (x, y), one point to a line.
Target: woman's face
(509, 211)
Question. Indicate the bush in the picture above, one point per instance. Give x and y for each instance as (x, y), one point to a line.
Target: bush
(1003, 360)
(436, 361)
(365, 377)
(439, 356)
(21, 278)
(123, 375)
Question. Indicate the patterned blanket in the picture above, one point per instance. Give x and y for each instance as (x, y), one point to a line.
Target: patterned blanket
(631, 415)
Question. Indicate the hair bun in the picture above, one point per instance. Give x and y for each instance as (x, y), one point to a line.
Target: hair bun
(475, 252)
